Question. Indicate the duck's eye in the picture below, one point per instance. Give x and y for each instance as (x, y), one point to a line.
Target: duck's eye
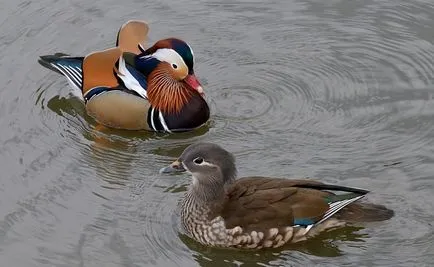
(198, 160)
(174, 66)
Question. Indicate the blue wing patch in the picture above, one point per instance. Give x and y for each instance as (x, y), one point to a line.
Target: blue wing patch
(303, 222)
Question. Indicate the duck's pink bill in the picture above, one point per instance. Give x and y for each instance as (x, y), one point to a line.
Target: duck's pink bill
(194, 83)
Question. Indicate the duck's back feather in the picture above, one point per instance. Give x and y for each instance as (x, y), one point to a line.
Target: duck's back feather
(259, 203)
(131, 35)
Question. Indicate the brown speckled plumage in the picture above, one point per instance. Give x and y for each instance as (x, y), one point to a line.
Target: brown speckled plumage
(260, 212)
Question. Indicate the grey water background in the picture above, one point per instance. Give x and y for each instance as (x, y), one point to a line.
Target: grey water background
(340, 91)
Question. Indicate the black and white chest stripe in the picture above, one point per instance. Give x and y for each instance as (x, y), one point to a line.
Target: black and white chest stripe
(191, 116)
(156, 120)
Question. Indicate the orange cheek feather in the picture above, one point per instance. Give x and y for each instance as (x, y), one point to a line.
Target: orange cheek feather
(165, 93)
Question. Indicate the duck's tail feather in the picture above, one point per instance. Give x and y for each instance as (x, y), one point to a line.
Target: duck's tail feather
(339, 202)
(348, 210)
(365, 212)
(70, 67)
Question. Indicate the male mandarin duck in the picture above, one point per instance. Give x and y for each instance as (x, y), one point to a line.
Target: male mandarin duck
(130, 87)
(260, 212)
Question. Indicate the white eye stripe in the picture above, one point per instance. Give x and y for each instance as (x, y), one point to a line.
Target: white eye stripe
(198, 160)
(204, 163)
(170, 56)
(201, 162)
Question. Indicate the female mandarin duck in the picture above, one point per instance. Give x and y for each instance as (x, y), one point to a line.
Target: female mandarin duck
(260, 212)
(129, 87)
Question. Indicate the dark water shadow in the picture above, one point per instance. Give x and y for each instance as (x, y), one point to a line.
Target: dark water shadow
(323, 245)
(113, 153)
(75, 107)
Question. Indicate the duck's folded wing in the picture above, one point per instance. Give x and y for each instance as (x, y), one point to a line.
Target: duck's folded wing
(99, 70)
(259, 203)
(132, 35)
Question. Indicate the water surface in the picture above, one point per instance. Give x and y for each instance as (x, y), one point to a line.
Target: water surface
(341, 91)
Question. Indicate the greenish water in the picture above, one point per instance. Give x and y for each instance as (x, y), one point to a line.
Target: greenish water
(336, 90)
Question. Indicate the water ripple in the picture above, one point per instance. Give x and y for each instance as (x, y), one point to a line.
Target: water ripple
(336, 90)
